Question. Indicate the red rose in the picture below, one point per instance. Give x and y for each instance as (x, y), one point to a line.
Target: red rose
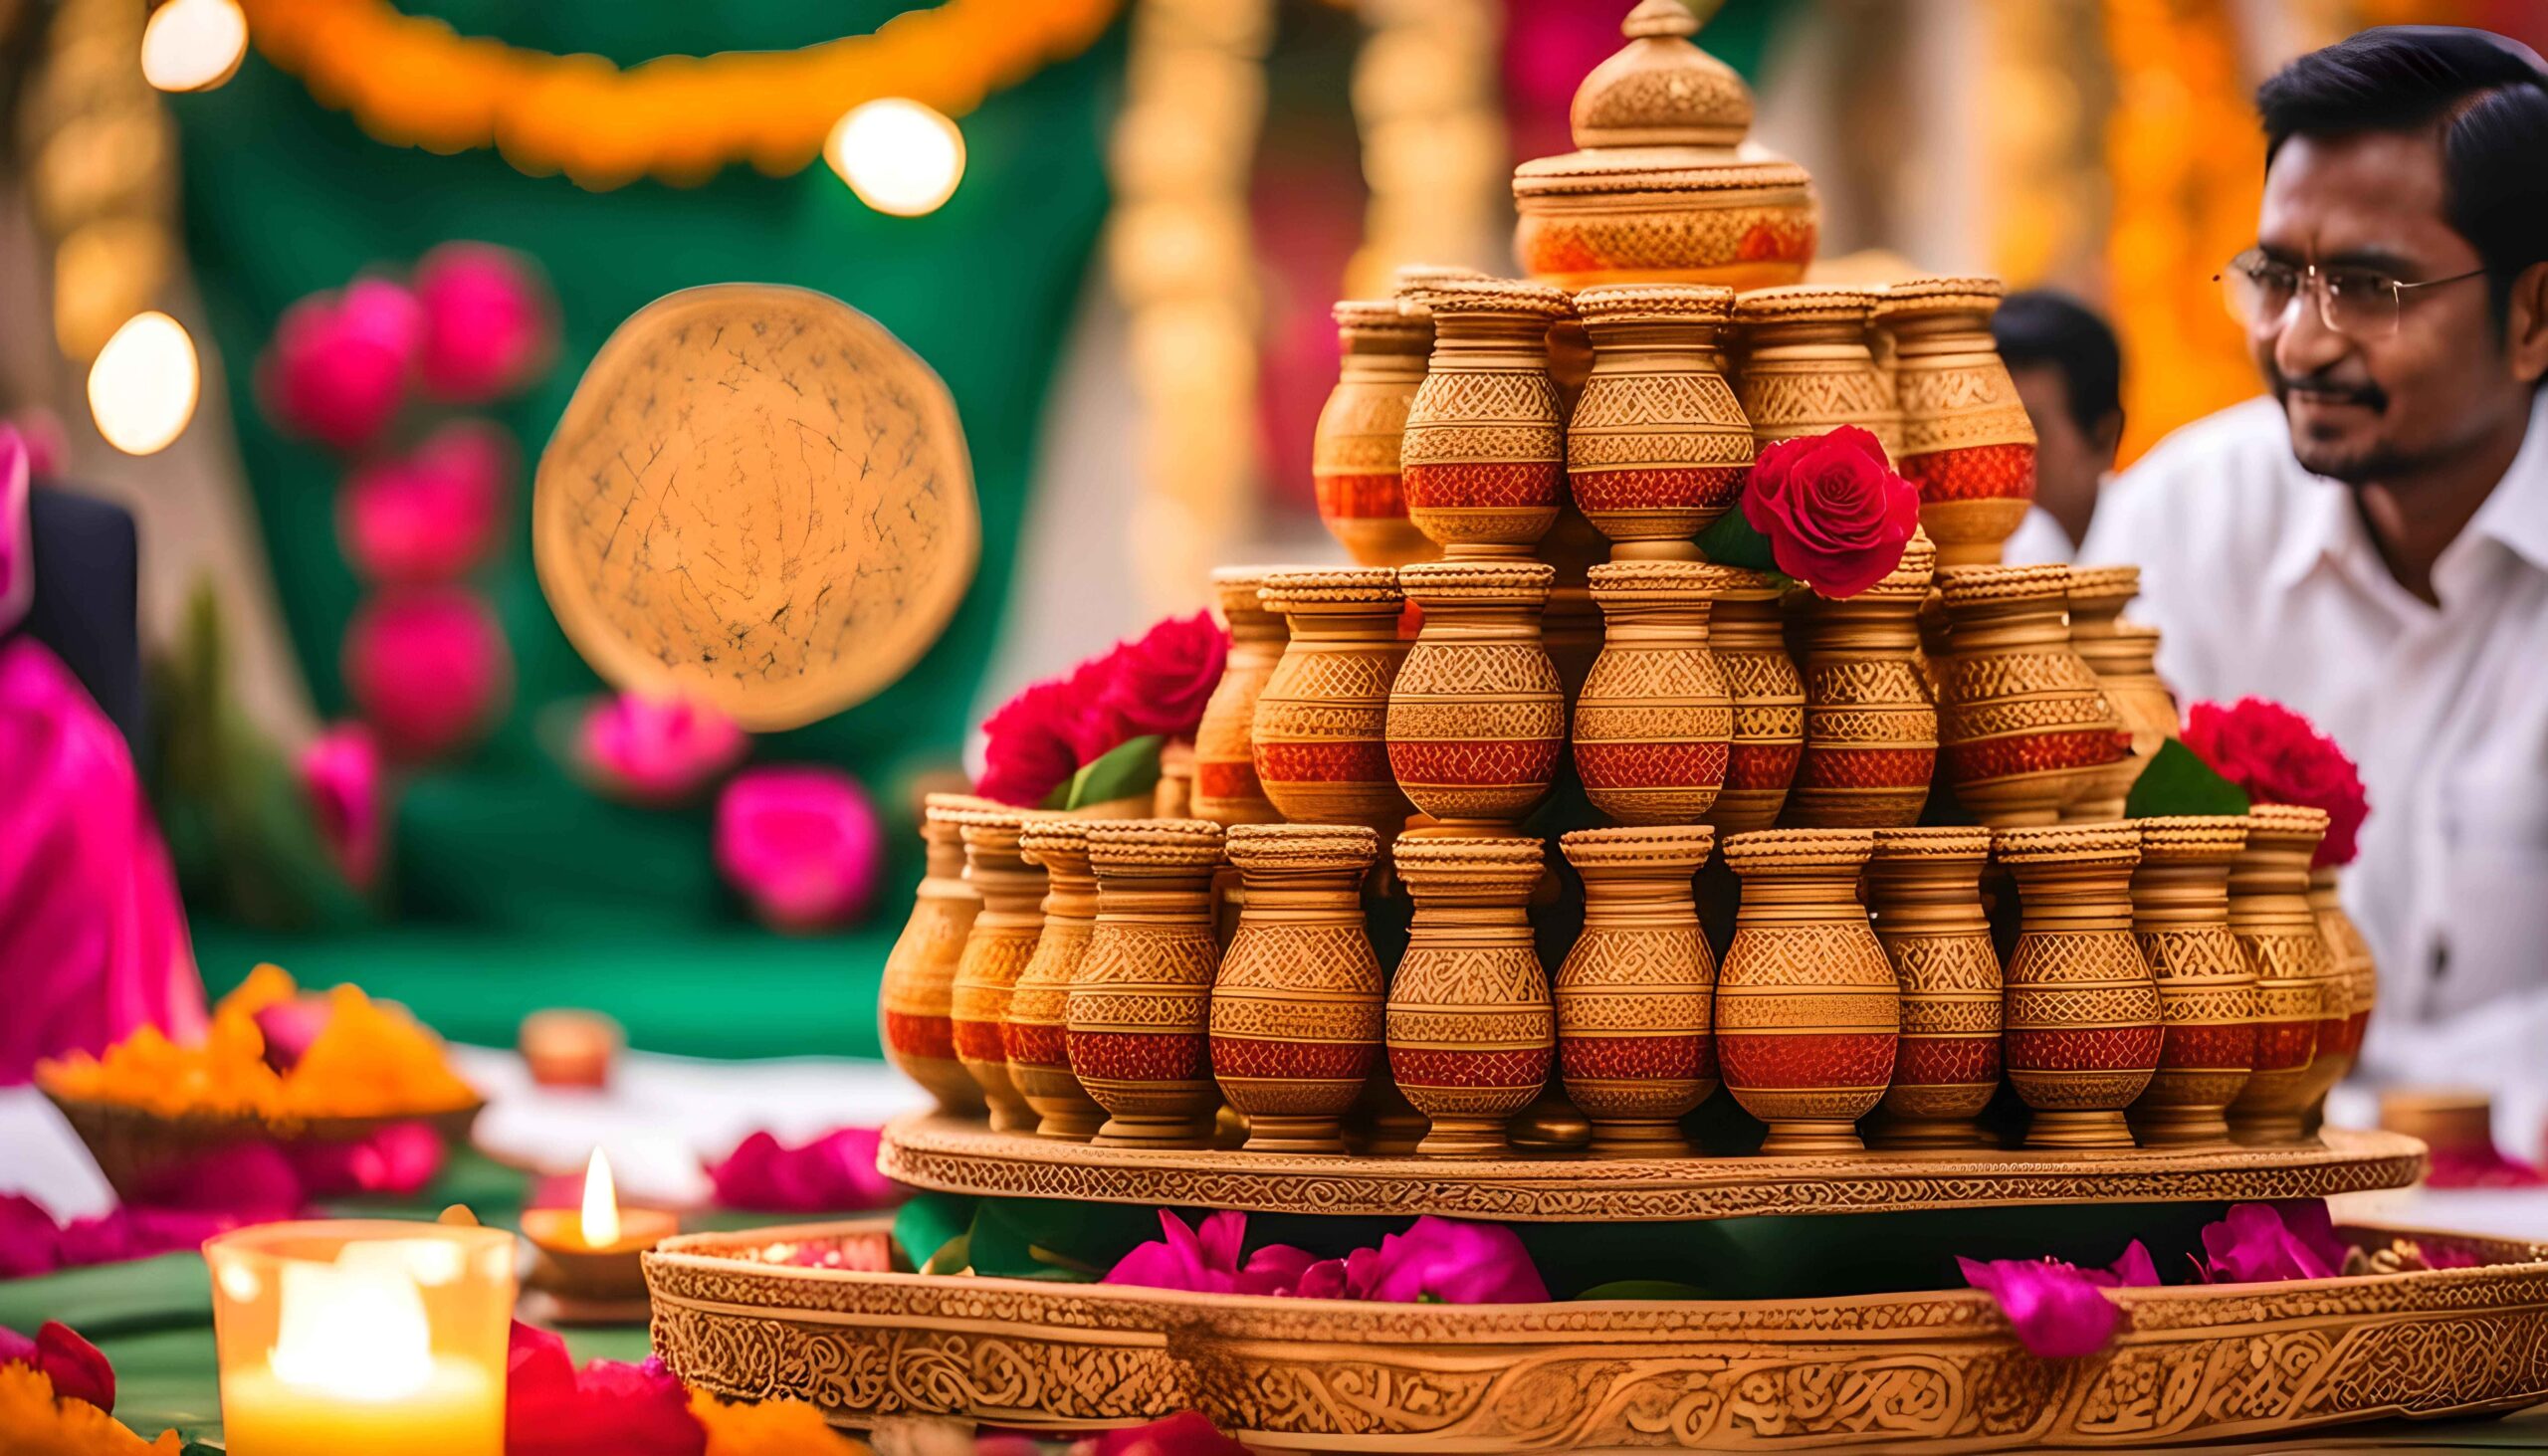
(1836, 514)
(1163, 679)
(1029, 751)
(2280, 757)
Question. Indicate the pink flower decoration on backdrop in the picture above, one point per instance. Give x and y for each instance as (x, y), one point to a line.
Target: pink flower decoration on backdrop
(2061, 1310)
(340, 363)
(801, 844)
(2260, 1243)
(1161, 679)
(1205, 1259)
(433, 514)
(78, 1371)
(340, 775)
(427, 667)
(651, 750)
(491, 327)
(2280, 757)
(553, 1409)
(1836, 514)
(832, 1173)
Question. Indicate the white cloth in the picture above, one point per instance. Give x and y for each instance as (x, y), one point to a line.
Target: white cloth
(2266, 582)
(2038, 540)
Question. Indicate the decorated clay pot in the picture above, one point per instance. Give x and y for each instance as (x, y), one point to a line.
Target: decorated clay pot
(1140, 1006)
(1653, 723)
(1037, 1032)
(1227, 789)
(918, 999)
(1296, 1010)
(1657, 446)
(1966, 441)
(1807, 367)
(1353, 458)
(1476, 717)
(1635, 998)
(2121, 653)
(2025, 725)
(2299, 991)
(1321, 733)
(1870, 727)
(1484, 454)
(1924, 886)
(1749, 643)
(2352, 953)
(2206, 988)
(996, 950)
(1471, 1031)
(2081, 1012)
(1807, 1010)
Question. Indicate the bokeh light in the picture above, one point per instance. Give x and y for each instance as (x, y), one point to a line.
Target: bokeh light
(194, 44)
(143, 388)
(898, 155)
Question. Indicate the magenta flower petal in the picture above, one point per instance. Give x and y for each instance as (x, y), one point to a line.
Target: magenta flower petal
(397, 1160)
(30, 1242)
(340, 778)
(833, 1172)
(78, 1371)
(652, 752)
(553, 1409)
(2264, 1242)
(2135, 1269)
(2057, 1310)
(251, 1180)
(1186, 1433)
(1448, 1261)
(801, 844)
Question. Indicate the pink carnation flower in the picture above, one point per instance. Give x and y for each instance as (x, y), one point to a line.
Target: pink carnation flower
(490, 324)
(427, 667)
(432, 514)
(650, 750)
(339, 362)
(801, 844)
(340, 775)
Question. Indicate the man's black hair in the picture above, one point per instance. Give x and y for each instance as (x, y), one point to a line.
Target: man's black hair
(2042, 326)
(2486, 97)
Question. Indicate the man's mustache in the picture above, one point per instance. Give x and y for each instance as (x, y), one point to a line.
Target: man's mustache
(2367, 395)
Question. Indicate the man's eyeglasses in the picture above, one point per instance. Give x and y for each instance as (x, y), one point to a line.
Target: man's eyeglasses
(2358, 302)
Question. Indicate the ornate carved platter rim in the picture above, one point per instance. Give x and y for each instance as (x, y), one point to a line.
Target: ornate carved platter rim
(952, 1155)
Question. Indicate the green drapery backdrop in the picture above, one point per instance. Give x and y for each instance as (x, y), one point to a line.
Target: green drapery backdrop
(513, 886)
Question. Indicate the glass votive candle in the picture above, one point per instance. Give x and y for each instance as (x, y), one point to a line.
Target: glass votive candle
(370, 1336)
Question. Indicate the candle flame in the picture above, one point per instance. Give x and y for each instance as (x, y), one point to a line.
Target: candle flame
(353, 1331)
(601, 1203)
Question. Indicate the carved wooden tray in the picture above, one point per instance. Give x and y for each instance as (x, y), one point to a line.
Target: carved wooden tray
(958, 1155)
(1934, 1371)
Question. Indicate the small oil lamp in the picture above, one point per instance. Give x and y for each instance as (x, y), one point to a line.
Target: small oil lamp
(588, 1260)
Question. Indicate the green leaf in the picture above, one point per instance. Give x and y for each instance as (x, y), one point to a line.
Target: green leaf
(1056, 1239)
(1729, 541)
(1644, 1289)
(927, 1223)
(2178, 782)
(1130, 768)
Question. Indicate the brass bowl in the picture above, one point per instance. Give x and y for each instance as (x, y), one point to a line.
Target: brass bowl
(133, 1146)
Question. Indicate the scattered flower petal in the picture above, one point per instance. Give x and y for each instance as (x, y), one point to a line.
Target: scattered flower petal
(833, 1172)
(2058, 1311)
(553, 1409)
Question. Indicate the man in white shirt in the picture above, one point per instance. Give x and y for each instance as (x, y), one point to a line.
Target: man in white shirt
(2370, 544)
(2069, 374)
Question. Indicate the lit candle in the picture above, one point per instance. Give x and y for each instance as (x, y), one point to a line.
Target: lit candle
(387, 1339)
(591, 1258)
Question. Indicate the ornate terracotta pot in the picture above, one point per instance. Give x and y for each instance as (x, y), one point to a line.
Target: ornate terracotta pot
(1227, 789)
(1966, 441)
(1657, 446)
(2121, 655)
(1653, 725)
(2082, 1010)
(1471, 1030)
(996, 950)
(2300, 991)
(1635, 998)
(917, 1002)
(1296, 1010)
(1140, 1006)
(1749, 643)
(1870, 727)
(1807, 1010)
(1321, 737)
(1037, 1032)
(1354, 456)
(1924, 886)
(2352, 953)
(1476, 717)
(2026, 727)
(1484, 454)
(2206, 988)
(1807, 367)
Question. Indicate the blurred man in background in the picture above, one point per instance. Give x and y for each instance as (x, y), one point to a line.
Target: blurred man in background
(2370, 544)
(2071, 374)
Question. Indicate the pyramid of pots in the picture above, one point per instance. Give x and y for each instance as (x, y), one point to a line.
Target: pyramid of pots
(1532, 722)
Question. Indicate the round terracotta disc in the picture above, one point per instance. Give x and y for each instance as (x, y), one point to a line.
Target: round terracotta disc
(758, 498)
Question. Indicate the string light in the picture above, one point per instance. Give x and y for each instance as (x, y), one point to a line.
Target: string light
(194, 44)
(142, 389)
(898, 155)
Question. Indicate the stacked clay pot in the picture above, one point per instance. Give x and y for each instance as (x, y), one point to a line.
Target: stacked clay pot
(2081, 1035)
(1654, 721)
(1965, 440)
(1003, 941)
(2302, 1001)
(1140, 1006)
(1296, 1009)
(917, 1000)
(1870, 725)
(1657, 446)
(1635, 997)
(1745, 638)
(2026, 727)
(1320, 737)
(1471, 1029)
(1807, 1009)
(1037, 1032)
(2206, 988)
(1476, 717)
(1924, 887)
(1484, 454)
(1353, 455)
(2352, 953)
(1227, 789)
(2121, 655)
(1807, 367)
